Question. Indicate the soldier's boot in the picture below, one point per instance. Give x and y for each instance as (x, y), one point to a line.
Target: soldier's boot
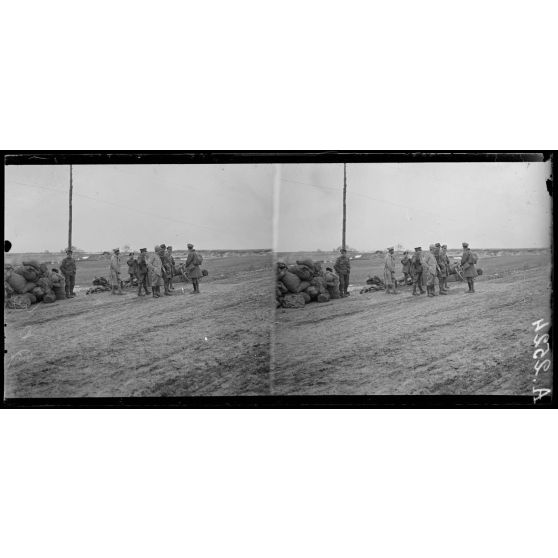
(430, 290)
(197, 287)
(472, 286)
(414, 290)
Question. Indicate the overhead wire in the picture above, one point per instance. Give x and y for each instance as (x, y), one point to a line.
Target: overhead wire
(116, 205)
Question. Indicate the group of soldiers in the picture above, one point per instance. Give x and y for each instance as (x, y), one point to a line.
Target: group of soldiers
(150, 271)
(429, 268)
(153, 270)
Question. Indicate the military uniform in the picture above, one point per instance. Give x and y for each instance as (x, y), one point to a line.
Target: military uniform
(406, 263)
(430, 269)
(416, 271)
(192, 265)
(115, 272)
(389, 272)
(132, 269)
(143, 273)
(446, 266)
(343, 268)
(469, 268)
(441, 273)
(172, 267)
(165, 267)
(154, 266)
(68, 269)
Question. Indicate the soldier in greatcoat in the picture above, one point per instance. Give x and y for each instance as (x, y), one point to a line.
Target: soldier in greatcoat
(192, 268)
(343, 268)
(430, 269)
(68, 269)
(115, 272)
(468, 261)
(389, 271)
(155, 268)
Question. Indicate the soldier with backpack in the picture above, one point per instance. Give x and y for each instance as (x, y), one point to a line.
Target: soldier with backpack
(192, 265)
(468, 262)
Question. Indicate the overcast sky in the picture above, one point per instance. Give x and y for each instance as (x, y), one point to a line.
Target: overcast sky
(489, 205)
(211, 206)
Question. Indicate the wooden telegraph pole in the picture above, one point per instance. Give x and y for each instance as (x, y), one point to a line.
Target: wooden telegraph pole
(70, 220)
(344, 203)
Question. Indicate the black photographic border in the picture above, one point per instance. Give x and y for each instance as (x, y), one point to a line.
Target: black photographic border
(120, 157)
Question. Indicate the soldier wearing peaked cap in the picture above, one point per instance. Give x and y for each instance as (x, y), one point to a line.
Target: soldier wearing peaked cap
(441, 273)
(343, 268)
(416, 271)
(389, 271)
(143, 273)
(154, 266)
(468, 262)
(192, 268)
(68, 269)
(445, 267)
(115, 272)
(166, 268)
(430, 269)
(132, 264)
(172, 267)
(406, 266)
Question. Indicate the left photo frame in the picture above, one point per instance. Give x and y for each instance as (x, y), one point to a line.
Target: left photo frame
(140, 280)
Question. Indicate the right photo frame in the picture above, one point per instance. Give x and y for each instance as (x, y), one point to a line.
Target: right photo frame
(423, 275)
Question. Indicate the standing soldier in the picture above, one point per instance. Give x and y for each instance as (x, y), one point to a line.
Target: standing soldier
(172, 267)
(406, 262)
(441, 272)
(343, 267)
(416, 271)
(446, 263)
(115, 272)
(166, 267)
(154, 266)
(68, 269)
(143, 272)
(389, 271)
(468, 261)
(192, 265)
(132, 268)
(430, 269)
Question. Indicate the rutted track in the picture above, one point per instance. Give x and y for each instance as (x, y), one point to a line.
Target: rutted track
(399, 344)
(215, 343)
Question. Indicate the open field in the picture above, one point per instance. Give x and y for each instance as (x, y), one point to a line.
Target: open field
(218, 268)
(399, 344)
(215, 343)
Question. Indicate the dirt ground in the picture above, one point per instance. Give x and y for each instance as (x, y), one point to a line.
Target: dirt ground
(103, 345)
(376, 343)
